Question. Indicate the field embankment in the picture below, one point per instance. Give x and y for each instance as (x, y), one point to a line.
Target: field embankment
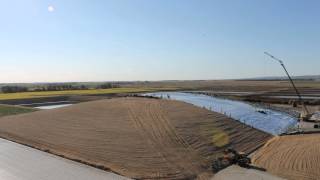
(6, 110)
(136, 137)
(295, 157)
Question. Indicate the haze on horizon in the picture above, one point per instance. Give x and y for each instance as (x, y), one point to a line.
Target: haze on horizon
(112, 40)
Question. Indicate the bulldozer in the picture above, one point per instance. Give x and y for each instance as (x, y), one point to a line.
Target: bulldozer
(230, 157)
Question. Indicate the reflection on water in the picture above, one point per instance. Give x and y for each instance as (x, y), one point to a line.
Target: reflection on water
(53, 106)
(271, 121)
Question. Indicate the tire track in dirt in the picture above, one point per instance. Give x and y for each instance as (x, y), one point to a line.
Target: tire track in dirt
(295, 157)
(139, 138)
(154, 126)
(190, 155)
(141, 128)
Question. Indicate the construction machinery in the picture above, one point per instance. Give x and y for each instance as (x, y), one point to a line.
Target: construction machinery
(262, 111)
(229, 158)
(305, 115)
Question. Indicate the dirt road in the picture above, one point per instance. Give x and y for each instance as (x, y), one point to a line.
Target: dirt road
(135, 137)
(295, 157)
(235, 172)
(18, 162)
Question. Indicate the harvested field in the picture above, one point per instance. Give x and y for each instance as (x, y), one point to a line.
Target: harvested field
(231, 85)
(295, 157)
(136, 137)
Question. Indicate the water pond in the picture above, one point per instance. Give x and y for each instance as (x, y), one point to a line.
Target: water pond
(271, 121)
(52, 106)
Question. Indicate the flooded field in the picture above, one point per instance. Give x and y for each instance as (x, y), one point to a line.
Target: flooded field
(271, 121)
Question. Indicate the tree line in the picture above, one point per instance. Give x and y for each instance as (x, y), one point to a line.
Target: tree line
(56, 87)
(13, 89)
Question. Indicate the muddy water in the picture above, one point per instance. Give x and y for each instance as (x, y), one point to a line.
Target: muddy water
(273, 122)
(18, 162)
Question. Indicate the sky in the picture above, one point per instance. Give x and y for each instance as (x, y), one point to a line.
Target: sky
(127, 40)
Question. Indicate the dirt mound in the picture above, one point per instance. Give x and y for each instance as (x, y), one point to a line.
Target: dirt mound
(293, 157)
(135, 137)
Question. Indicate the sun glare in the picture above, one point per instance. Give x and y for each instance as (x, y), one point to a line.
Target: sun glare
(51, 8)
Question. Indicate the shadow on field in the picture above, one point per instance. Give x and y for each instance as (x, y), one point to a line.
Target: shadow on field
(257, 168)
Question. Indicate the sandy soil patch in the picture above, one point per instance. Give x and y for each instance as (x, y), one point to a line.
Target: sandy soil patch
(235, 172)
(295, 157)
(136, 137)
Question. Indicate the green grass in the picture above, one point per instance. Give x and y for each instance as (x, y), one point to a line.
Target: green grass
(27, 95)
(6, 110)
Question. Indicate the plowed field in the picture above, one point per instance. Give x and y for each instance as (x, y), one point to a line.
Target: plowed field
(135, 137)
(293, 157)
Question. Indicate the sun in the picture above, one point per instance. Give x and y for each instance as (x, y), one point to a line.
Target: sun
(51, 8)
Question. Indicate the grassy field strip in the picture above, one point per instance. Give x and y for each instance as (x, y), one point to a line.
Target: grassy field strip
(26, 95)
(6, 110)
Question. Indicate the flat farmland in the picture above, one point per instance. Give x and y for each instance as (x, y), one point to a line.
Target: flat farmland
(30, 95)
(231, 85)
(139, 138)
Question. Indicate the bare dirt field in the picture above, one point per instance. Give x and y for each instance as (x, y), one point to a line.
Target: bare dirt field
(308, 86)
(136, 137)
(295, 157)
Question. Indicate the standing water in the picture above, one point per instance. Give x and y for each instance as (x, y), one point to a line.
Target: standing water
(270, 121)
(53, 106)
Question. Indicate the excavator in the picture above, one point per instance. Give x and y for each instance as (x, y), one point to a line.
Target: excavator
(305, 115)
(230, 157)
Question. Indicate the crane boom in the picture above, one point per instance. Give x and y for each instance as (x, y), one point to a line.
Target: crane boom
(291, 81)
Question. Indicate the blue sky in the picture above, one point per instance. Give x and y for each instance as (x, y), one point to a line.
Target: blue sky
(105, 40)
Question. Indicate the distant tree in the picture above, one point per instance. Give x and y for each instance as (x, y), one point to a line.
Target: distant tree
(13, 89)
(60, 87)
(83, 87)
(105, 86)
(108, 86)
